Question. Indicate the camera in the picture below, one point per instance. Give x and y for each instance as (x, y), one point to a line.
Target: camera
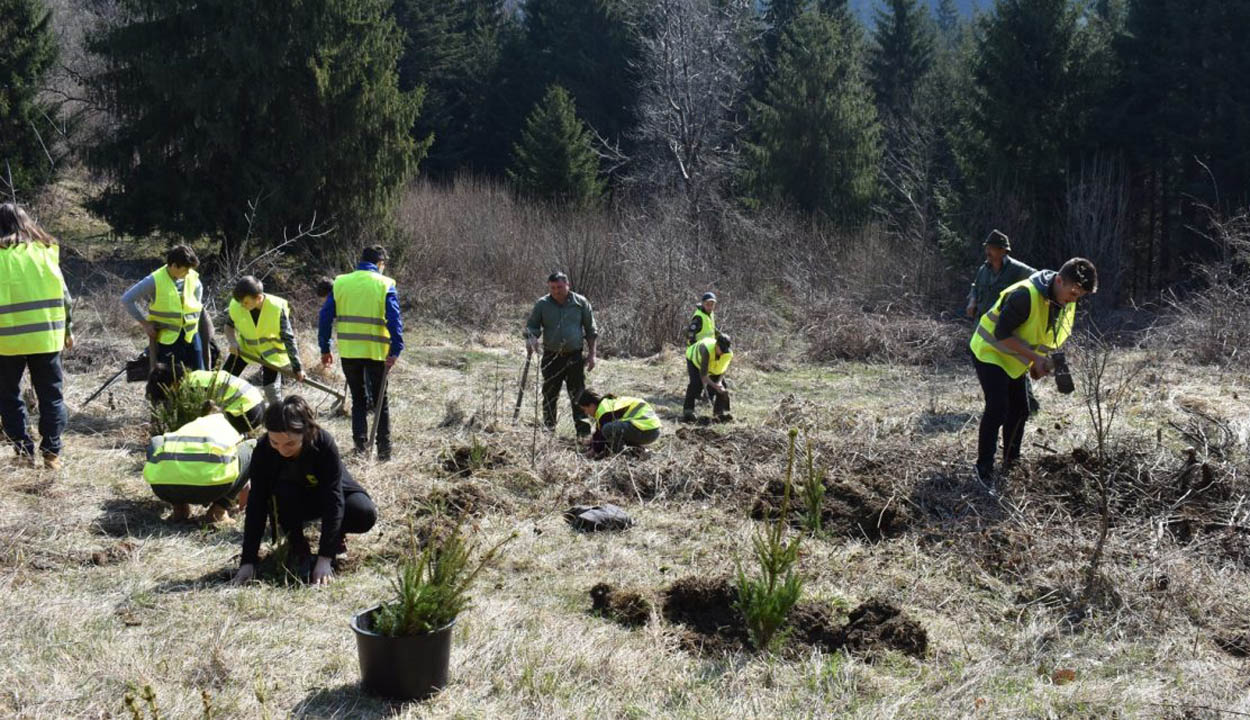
(1063, 374)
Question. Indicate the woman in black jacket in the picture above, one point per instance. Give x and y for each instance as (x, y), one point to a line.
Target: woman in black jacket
(297, 465)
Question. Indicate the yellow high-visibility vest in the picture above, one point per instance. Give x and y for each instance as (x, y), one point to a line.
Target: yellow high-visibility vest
(203, 452)
(360, 313)
(262, 339)
(708, 327)
(32, 299)
(233, 394)
(1033, 332)
(637, 412)
(172, 313)
(716, 365)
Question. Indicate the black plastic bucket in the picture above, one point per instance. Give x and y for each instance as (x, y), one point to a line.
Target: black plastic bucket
(401, 668)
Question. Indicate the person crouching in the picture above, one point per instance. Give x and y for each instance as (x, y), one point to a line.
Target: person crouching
(619, 422)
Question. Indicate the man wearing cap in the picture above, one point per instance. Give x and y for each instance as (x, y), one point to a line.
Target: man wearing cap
(703, 324)
(560, 324)
(997, 272)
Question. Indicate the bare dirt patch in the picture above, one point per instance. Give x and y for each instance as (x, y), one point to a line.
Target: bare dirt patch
(630, 608)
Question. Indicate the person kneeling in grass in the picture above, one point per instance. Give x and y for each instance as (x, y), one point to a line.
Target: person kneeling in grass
(297, 468)
(241, 401)
(204, 462)
(619, 422)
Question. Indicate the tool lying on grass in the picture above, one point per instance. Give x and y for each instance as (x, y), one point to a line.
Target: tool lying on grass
(520, 393)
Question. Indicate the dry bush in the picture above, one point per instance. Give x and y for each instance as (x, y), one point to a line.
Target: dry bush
(1212, 326)
(840, 329)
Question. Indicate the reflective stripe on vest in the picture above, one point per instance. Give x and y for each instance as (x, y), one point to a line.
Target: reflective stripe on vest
(32, 299)
(716, 365)
(638, 412)
(235, 395)
(360, 313)
(708, 328)
(261, 339)
(1034, 332)
(201, 453)
(172, 313)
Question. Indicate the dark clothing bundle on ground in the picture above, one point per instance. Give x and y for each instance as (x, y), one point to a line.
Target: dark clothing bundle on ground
(568, 370)
(47, 380)
(597, 518)
(364, 381)
(313, 485)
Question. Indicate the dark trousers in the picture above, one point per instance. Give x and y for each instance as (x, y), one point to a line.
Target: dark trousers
(1006, 408)
(235, 365)
(297, 507)
(620, 434)
(248, 421)
(46, 378)
(364, 381)
(223, 495)
(188, 354)
(566, 370)
(720, 401)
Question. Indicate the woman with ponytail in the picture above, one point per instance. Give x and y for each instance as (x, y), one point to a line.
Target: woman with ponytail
(297, 469)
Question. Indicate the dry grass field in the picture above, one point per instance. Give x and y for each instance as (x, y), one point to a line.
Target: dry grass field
(1002, 615)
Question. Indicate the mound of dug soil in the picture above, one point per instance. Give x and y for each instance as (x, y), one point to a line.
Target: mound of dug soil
(705, 606)
(627, 607)
(853, 506)
(464, 460)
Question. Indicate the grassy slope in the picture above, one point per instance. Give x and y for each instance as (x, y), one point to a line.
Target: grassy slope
(153, 607)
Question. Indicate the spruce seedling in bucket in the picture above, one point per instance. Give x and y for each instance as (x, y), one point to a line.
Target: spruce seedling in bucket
(765, 600)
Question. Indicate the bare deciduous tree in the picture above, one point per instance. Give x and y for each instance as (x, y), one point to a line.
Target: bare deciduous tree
(694, 66)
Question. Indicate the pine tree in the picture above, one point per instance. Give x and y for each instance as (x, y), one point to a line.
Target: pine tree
(948, 20)
(555, 159)
(588, 48)
(27, 52)
(818, 146)
(1035, 90)
(296, 110)
(901, 55)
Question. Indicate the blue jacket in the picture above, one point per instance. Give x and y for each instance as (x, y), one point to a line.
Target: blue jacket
(394, 323)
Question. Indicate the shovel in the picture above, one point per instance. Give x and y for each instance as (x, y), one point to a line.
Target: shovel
(377, 408)
(339, 398)
(520, 393)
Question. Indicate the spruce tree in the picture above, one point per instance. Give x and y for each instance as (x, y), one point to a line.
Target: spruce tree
(901, 55)
(818, 147)
(1034, 93)
(296, 110)
(555, 159)
(27, 52)
(948, 20)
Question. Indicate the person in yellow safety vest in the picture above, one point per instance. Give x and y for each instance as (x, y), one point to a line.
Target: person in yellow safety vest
(34, 329)
(703, 323)
(707, 361)
(365, 306)
(258, 329)
(1030, 319)
(620, 422)
(204, 462)
(240, 401)
(175, 300)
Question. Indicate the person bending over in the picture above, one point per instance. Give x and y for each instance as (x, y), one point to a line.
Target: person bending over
(620, 422)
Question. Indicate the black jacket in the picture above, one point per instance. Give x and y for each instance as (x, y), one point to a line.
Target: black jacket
(320, 475)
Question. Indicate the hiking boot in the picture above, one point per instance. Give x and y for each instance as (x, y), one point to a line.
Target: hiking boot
(688, 417)
(984, 475)
(384, 455)
(51, 461)
(216, 513)
(181, 513)
(724, 418)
